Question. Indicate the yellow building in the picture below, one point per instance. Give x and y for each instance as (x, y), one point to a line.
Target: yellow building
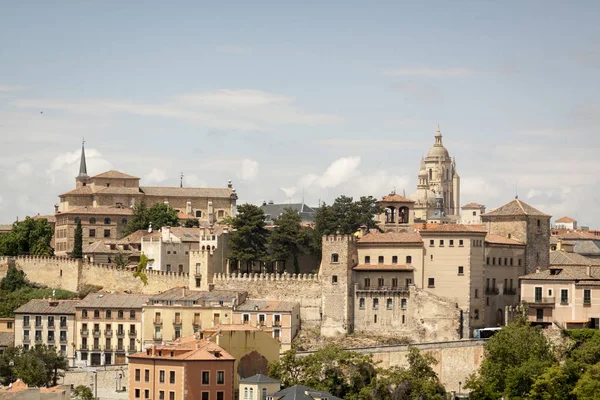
(258, 387)
(252, 348)
(181, 312)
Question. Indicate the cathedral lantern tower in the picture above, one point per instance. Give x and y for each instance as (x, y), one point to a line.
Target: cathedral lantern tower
(437, 178)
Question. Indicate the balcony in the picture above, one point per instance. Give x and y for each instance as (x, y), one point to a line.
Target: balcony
(177, 321)
(38, 324)
(196, 322)
(587, 303)
(540, 301)
(63, 339)
(83, 347)
(38, 340)
(96, 347)
(26, 339)
(277, 323)
(51, 327)
(132, 333)
(509, 291)
(84, 332)
(132, 349)
(120, 316)
(492, 291)
(157, 337)
(97, 333)
(158, 322)
(384, 290)
(51, 340)
(120, 334)
(26, 324)
(63, 325)
(120, 348)
(108, 333)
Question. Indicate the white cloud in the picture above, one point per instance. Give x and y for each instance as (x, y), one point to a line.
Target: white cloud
(431, 72)
(289, 191)
(65, 167)
(156, 176)
(249, 169)
(12, 88)
(25, 168)
(221, 109)
(339, 171)
(237, 50)
(192, 180)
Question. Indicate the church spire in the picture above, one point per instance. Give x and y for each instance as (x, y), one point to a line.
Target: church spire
(82, 164)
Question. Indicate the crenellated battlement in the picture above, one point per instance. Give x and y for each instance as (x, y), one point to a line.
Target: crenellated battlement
(339, 238)
(265, 277)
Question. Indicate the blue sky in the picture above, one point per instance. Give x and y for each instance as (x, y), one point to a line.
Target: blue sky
(320, 98)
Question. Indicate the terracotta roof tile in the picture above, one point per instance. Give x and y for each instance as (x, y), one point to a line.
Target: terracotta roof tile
(566, 220)
(457, 228)
(391, 237)
(134, 191)
(112, 174)
(383, 267)
(515, 207)
(395, 198)
(41, 306)
(472, 206)
(563, 258)
(188, 350)
(7, 339)
(80, 191)
(499, 239)
(576, 235)
(267, 305)
(113, 300)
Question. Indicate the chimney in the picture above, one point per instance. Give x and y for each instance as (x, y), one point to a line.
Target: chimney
(56, 209)
(363, 230)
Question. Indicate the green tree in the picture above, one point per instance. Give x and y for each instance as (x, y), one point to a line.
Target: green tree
(14, 279)
(158, 215)
(38, 366)
(121, 260)
(248, 240)
(7, 364)
(83, 392)
(588, 386)
(78, 245)
(140, 270)
(287, 238)
(192, 223)
(340, 372)
(514, 358)
(345, 216)
(553, 384)
(30, 236)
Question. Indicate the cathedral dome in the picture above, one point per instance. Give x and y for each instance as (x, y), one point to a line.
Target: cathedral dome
(423, 197)
(438, 151)
(422, 173)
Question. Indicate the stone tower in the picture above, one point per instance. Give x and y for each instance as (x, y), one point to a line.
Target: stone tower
(339, 256)
(520, 221)
(437, 176)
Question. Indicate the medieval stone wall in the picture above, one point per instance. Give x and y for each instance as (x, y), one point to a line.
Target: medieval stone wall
(69, 274)
(304, 289)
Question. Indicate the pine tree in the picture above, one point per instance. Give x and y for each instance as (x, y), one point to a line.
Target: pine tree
(78, 246)
(249, 237)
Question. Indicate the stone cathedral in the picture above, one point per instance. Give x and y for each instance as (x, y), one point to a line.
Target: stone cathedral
(438, 185)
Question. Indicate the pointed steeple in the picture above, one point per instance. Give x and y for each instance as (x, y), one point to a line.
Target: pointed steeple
(82, 164)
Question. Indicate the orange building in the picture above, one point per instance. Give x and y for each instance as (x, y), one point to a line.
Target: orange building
(190, 368)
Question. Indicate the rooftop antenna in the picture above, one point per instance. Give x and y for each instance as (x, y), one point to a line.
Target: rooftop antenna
(181, 180)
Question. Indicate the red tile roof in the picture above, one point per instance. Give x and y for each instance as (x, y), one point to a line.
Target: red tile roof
(498, 239)
(456, 228)
(103, 210)
(112, 174)
(515, 207)
(187, 349)
(395, 198)
(566, 219)
(472, 205)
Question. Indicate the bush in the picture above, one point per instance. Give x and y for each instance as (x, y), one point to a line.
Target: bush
(87, 289)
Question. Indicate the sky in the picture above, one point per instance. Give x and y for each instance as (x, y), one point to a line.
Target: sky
(310, 99)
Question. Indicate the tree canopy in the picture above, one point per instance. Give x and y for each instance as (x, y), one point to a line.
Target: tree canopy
(78, 245)
(158, 215)
(287, 237)
(30, 236)
(248, 240)
(39, 366)
(351, 375)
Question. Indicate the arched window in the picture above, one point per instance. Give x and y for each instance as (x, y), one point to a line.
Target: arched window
(124, 221)
(409, 259)
(92, 220)
(251, 393)
(394, 259)
(107, 221)
(334, 258)
(264, 394)
(245, 393)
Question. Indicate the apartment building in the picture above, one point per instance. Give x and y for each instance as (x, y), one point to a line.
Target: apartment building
(47, 321)
(282, 317)
(169, 249)
(191, 368)
(7, 333)
(181, 312)
(258, 387)
(109, 327)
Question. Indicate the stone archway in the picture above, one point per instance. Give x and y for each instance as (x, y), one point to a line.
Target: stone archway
(499, 317)
(251, 364)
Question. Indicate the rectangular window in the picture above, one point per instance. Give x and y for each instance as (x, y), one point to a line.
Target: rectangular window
(519, 262)
(205, 377)
(403, 304)
(380, 260)
(476, 293)
(147, 375)
(367, 259)
(334, 279)
(137, 374)
(107, 233)
(587, 297)
(375, 303)
(361, 303)
(172, 377)
(380, 282)
(171, 395)
(367, 283)
(461, 270)
(441, 243)
(220, 377)
(161, 395)
(146, 393)
(389, 304)
(460, 242)
(431, 243)
(108, 314)
(132, 314)
(564, 296)
(205, 396)
(431, 282)
(92, 233)
(161, 376)
(221, 396)
(137, 393)
(394, 283)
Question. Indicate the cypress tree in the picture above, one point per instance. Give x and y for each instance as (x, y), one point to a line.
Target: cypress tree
(78, 247)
